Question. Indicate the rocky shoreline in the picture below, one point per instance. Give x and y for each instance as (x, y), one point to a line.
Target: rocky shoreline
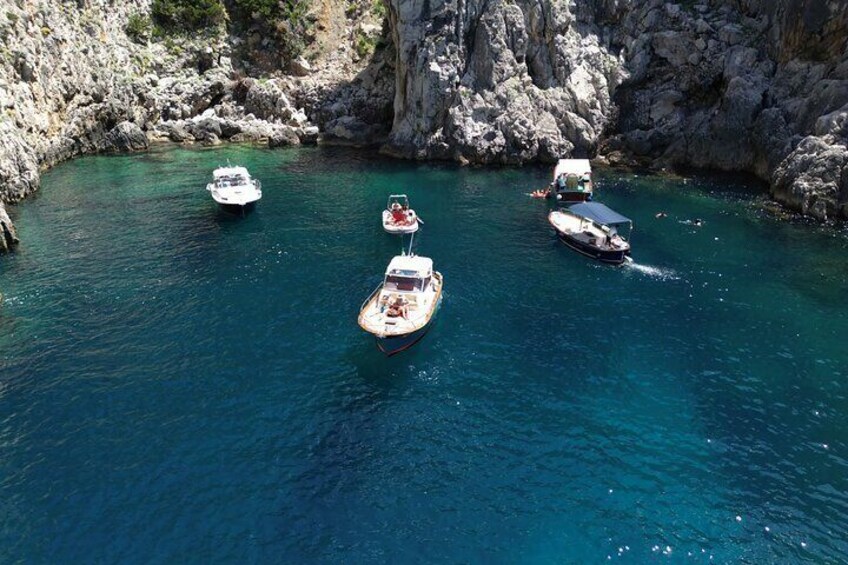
(734, 85)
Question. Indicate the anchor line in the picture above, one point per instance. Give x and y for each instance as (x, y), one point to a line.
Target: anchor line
(411, 240)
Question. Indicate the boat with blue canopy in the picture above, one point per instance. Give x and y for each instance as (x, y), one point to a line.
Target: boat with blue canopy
(594, 230)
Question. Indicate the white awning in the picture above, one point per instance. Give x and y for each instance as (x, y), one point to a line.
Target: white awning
(577, 167)
(410, 266)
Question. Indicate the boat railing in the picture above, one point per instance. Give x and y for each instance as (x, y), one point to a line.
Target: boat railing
(370, 296)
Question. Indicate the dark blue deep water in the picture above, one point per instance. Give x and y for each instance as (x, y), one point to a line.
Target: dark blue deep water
(178, 385)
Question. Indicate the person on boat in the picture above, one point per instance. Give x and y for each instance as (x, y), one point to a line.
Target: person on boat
(398, 308)
(560, 182)
(398, 214)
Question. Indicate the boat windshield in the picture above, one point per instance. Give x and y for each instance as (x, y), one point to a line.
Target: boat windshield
(232, 180)
(394, 282)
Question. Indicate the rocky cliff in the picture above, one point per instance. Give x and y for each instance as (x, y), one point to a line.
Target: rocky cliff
(737, 85)
(73, 82)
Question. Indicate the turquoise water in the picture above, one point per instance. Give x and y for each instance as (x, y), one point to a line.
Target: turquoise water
(181, 385)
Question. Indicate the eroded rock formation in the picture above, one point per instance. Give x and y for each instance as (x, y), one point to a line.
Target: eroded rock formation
(737, 85)
(73, 82)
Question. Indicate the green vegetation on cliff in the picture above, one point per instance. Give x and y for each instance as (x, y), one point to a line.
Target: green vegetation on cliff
(187, 15)
(139, 27)
(284, 21)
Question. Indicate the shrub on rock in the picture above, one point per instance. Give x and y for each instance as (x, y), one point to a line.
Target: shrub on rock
(187, 15)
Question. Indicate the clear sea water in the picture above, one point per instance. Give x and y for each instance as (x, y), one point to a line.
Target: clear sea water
(179, 385)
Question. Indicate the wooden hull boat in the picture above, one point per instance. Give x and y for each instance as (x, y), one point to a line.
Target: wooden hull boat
(569, 196)
(590, 237)
(393, 344)
(401, 310)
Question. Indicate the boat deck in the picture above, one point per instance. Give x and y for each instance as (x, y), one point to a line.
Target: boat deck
(375, 315)
(587, 231)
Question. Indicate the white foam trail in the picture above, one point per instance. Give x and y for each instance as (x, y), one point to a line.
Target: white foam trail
(656, 272)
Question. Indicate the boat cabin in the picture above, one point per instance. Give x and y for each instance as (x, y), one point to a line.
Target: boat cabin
(231, 177)
(408, 273)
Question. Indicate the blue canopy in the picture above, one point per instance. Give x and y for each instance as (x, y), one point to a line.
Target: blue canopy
(599, 213)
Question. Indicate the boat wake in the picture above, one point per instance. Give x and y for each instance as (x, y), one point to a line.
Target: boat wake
(655, 272)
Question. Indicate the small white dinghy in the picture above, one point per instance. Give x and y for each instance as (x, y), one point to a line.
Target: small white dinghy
(400, 311)
(234, 189)
(398, 217)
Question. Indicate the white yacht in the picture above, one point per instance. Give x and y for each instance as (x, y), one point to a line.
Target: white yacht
(400, 311)
(234, 189)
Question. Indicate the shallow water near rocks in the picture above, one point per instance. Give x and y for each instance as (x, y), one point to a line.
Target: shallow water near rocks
(178, 385)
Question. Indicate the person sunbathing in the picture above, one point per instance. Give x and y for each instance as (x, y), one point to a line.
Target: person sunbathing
(398, 309)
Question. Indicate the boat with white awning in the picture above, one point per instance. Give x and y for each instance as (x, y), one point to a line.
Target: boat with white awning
(572, 180)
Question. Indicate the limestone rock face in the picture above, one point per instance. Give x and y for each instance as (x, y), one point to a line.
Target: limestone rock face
(758, 78)
(813, 177)
(125, 137)
(499, 82)
(720, 84)
(8, 236)
(18, 166)
(72, 82)
(737, 85)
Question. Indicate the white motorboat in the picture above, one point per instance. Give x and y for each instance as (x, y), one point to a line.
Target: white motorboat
(398, 217)
(234, 189)
(400, 311)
